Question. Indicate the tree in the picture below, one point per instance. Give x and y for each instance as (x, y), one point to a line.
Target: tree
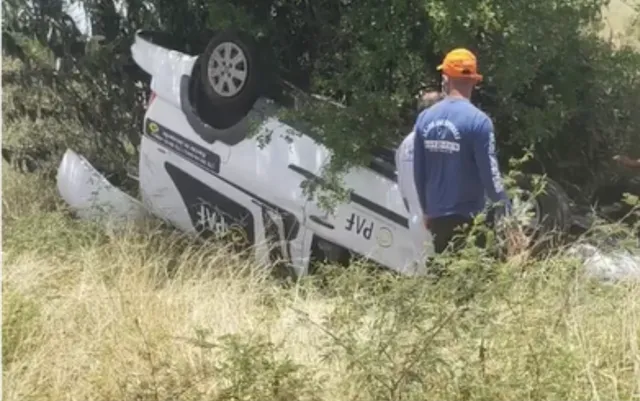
(550, 81)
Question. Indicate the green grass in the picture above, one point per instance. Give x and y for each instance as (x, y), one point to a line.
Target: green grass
(142, 314)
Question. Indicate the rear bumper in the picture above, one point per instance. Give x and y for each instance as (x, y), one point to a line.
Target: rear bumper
(165, 66)
(91, 196)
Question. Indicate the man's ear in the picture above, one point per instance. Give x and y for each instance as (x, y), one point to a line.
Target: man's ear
(445, 84)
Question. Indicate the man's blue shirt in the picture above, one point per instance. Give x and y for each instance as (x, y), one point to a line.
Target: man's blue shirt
(455, 161)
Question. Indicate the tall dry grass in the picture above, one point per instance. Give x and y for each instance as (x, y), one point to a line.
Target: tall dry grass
(143, 314)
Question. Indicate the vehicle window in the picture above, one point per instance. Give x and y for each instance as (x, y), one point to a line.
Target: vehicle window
(383, 161)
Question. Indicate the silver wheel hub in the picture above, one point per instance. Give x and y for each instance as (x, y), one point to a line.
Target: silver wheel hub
(227, 69)
(527, 210)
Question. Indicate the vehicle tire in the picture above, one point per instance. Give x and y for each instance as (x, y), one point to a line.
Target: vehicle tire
(231, 74)
(552, 212)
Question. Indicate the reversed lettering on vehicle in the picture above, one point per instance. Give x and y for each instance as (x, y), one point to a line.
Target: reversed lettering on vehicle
(361, 225)
(208, 218)
(212, 213)
(185, 148)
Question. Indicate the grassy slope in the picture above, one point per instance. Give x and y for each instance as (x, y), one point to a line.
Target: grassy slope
(93, 316)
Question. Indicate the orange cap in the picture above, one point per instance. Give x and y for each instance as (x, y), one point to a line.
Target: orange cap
(460, 63)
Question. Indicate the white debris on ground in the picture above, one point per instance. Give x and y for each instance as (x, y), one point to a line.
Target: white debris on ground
(618, 265)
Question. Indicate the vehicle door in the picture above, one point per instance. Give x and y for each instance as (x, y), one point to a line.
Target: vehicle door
(372, 223)
(198, 200)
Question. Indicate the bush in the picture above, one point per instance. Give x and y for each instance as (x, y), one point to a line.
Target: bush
(550, 81)
(47, 110)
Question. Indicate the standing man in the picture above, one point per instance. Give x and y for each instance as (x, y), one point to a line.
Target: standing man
(406, 183)
(454, 154)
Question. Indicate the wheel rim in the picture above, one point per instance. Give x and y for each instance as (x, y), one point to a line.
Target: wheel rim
(227, 69)
(527, 210)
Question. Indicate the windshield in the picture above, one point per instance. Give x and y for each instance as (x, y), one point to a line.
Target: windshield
(291, 97)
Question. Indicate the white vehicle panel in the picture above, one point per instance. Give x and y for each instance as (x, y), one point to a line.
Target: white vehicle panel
(265, 170)
(91, 196)
(165, 66)
(186, 204)
(177, 123)
(268, 172)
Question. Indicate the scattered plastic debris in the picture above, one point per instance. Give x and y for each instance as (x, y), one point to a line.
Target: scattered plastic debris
(618, 265)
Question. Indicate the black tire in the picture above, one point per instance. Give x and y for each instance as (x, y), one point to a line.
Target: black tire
(231, 98)
(553, 209)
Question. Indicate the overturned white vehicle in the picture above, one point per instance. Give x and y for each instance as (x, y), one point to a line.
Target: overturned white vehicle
(199, 170)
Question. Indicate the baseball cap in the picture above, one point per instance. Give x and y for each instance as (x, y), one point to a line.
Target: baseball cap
(460, 63)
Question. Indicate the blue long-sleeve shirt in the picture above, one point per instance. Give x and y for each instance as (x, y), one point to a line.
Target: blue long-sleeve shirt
(455, 160)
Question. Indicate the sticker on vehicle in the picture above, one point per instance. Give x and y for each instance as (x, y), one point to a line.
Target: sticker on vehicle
(185, 148)
(212, 213)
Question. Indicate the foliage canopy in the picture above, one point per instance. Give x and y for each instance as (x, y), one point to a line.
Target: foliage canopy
(551, 81)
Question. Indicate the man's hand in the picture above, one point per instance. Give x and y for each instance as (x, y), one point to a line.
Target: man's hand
(425, 220)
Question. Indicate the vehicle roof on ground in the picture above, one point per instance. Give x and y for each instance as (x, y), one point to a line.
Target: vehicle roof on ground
(287, 95)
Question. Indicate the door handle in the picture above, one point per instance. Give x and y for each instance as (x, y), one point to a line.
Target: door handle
(322, 222)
